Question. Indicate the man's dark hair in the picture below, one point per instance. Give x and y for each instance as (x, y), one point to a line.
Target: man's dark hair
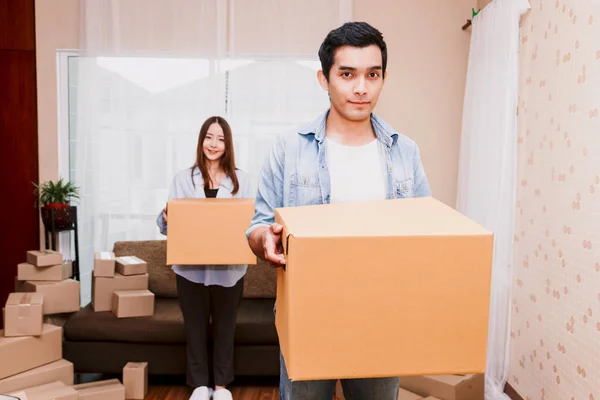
(357, 34)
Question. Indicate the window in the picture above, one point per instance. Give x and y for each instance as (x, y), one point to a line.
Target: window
(144, 123)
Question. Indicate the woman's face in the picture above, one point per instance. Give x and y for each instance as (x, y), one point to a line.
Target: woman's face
(214, 142)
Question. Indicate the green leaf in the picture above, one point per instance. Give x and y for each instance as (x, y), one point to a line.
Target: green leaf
(55, 192)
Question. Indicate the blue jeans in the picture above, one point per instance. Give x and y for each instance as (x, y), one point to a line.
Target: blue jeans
(354, 389)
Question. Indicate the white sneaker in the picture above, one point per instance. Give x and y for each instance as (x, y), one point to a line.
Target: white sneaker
(201, 393)
(222, 394)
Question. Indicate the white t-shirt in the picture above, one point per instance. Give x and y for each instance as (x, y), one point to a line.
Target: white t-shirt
(355, 172)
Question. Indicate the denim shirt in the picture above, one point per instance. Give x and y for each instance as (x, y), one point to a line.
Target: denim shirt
(296, 172)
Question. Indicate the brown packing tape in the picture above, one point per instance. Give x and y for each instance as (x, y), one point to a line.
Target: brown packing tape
(24, 311)
(25, 306)
(26, 299)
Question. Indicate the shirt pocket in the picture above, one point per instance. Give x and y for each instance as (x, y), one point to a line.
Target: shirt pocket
(305, 190)
(404, 188)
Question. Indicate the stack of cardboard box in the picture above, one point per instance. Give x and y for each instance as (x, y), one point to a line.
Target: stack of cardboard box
(32, 367)
(46, 272)
(30, 350)
(120, 285)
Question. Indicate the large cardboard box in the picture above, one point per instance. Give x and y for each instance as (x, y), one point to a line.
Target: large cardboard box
(103, 288)
(29, 272)
(20, 354)
(447, 387)
(190, 242)
(104, 264)
(23, 314)
(131, 266)
(104, 390)
(61, 370)
(48, 391)
(133, 303)
(135, 380)
(44, 258)
(407, 281)
(59, 297)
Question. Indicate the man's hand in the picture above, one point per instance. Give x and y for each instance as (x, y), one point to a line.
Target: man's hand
(164, 215)
(266, 244)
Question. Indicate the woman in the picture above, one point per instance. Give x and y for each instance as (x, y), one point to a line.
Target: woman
(210, 292)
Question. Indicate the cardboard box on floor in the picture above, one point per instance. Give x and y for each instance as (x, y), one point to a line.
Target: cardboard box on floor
(104, 390)
(49, 391)
(104, 264)
(44, 258)
(20, 354)
(59, 297)
(133, 303)
(23, 314)
(135, 380)
(103, 288)
(447, 387)
(61, 370)
(407, 281)
(189, 242)
(29, 272)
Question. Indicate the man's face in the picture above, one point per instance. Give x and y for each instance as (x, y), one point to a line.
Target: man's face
(355, 81)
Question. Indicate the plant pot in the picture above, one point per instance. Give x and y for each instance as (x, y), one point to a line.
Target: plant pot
(63, 216)
(57, 206)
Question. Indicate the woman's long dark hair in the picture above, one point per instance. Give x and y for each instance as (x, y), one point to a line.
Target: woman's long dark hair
(227, 161)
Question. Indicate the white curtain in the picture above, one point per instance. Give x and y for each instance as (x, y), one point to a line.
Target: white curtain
(487, 167)
(149, 73)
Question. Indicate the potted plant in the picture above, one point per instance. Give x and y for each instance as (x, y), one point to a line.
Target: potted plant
(54, 198)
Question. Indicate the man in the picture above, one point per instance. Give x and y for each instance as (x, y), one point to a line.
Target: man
(347, 154)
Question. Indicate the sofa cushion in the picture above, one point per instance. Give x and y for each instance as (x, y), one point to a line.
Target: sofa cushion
(161, 280)
(260, 282)
(165, 359)
(255, 324)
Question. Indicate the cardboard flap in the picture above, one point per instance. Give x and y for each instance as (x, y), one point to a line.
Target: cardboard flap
(399, 217)
(452, 380)
(133, 293)
(136, 365)
(24, 299)
(211, 201)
